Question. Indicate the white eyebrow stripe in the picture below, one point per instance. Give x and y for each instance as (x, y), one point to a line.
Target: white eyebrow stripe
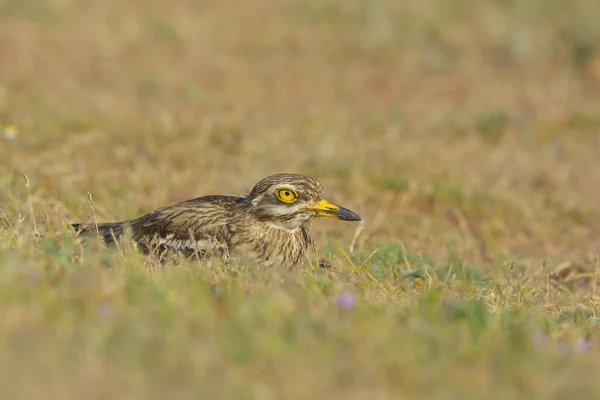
(285, 186)
(257, 200)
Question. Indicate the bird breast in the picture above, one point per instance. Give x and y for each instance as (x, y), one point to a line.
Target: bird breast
(270, 246)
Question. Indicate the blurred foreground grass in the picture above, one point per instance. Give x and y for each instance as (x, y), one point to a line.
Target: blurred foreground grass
(466, 133)
(115, 326)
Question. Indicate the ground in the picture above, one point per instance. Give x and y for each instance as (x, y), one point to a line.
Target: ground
(466, 133)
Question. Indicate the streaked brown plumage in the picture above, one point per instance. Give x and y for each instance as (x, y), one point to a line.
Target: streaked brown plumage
(266, 227)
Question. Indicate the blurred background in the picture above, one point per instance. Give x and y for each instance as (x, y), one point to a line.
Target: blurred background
(465, 132)
(456, 126)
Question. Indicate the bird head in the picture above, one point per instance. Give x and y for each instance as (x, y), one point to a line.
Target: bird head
(290, 201)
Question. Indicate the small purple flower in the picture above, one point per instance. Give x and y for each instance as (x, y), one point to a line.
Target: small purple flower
(32, 276)
(346, 300)
(106, 311)
(583, 345)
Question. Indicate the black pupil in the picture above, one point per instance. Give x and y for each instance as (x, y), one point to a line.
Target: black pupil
(287, 193)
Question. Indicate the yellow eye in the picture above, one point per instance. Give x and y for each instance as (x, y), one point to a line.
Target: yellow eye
(287, 195)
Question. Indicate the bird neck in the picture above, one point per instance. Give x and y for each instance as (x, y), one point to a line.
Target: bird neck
(282, 227)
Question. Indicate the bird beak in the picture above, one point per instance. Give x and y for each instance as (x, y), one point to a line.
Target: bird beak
(326, 209)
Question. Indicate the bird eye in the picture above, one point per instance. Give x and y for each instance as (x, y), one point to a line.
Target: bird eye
(287, 195)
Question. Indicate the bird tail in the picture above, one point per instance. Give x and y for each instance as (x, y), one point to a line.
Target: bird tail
(110, 232)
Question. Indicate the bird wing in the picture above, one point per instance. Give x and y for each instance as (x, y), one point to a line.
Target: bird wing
(197, 224)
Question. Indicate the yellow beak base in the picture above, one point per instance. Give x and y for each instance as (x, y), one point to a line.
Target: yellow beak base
(325, 209)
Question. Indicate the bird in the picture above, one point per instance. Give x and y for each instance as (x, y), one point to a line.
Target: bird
(265, 227)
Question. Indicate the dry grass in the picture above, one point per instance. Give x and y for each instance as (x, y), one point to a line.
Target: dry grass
(465, 132)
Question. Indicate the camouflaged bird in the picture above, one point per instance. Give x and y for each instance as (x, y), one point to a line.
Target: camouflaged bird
(266, 227)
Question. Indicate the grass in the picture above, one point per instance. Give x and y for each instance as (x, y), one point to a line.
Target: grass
(465, 133)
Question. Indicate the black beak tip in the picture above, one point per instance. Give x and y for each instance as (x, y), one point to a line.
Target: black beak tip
(346, 215)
